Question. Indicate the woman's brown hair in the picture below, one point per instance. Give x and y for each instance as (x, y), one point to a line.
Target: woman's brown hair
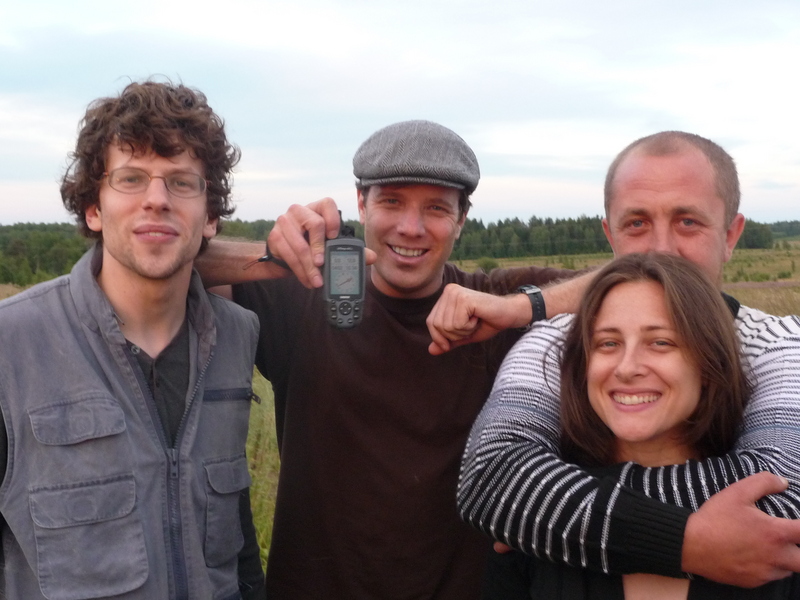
(704, 322)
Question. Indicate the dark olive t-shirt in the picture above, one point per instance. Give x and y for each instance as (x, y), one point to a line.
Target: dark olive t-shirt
(371, 429)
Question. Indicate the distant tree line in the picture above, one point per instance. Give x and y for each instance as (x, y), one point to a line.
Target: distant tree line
(512, 238)
(30, 253)
(783, 229)
(756, 235)
(259, 230)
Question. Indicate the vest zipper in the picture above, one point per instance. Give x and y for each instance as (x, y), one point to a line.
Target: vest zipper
(176, 553)
(173, 496)
(175, 526)
(173, 463)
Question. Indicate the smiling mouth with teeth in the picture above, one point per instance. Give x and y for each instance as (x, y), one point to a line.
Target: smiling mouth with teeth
(412, 252)
(631, 399)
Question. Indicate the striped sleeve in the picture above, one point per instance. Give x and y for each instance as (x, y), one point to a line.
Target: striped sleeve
(514, 487)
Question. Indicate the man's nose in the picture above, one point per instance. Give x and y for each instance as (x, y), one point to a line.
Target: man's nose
(411, 223)
(157, 195)
(664, 241)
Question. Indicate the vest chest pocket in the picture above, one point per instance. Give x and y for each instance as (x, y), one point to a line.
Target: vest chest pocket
(89, 538)
(226, 479)
(71, 422)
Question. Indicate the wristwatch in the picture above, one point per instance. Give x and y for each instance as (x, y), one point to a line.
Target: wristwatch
(539, 312)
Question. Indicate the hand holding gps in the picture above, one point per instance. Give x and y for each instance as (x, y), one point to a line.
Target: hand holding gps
(344, 279)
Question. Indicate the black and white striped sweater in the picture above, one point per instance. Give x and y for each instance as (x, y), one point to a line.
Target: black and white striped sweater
(515, 488)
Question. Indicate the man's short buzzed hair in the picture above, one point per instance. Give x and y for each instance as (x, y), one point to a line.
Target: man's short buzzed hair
(726, 179)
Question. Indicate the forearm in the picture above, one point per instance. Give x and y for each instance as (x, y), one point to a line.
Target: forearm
(691, 484)
(560, 297)
(565, 296)
(224, 262)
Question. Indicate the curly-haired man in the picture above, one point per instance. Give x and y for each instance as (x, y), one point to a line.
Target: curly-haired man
(124, 387)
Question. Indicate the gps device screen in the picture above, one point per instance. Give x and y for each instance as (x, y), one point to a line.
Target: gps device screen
(345, 273)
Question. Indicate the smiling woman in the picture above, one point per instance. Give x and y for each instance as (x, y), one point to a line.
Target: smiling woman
(642, 381)
(650, 368)
(650, 373)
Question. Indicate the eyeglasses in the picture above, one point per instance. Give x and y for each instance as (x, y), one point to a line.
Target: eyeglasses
(130, 180)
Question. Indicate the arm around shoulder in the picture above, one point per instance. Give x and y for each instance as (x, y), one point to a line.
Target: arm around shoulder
(228, 262)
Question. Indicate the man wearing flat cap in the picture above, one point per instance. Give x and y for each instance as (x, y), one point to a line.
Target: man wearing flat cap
(371, 426)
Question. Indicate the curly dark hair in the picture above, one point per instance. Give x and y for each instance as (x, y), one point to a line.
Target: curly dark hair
(162, 117)
(703, 321)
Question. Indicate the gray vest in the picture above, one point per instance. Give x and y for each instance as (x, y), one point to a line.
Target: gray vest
(96, 503)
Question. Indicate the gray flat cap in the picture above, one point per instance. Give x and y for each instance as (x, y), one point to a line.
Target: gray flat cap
(416, 152)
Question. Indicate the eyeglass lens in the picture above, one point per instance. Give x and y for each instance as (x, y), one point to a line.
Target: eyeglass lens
(129, 180)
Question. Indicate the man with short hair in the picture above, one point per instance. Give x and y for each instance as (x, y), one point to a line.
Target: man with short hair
(371, 426)
(671, 192)
(125, 388)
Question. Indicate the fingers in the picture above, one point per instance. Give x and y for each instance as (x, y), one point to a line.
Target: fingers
(369, 256)
(757, 486)
(299, 235)
(778, 555)
(330, 214)
(789, 560)
(453, 313)
(327, 209)
(730, 540)
(439, 347)
(501, 548)
(450, 320)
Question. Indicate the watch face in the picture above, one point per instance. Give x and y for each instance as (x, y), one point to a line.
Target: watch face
(528, 289)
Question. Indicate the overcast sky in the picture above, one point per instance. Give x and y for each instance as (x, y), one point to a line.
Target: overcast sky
(546, 93)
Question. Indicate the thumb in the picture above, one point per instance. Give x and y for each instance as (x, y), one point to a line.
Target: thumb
(438, 348)
(757, 486)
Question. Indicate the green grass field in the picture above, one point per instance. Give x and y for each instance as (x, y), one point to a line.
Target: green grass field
(262, 453)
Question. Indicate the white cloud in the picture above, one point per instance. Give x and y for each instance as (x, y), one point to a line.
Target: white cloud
(25, 120)
(547, 93)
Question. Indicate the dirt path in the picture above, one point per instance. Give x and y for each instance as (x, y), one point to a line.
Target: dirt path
(6, 290)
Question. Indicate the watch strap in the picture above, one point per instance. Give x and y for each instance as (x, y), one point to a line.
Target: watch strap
(268, 257)
(538, 309)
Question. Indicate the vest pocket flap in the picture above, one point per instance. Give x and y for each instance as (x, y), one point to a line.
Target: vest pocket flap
(73, 422)
(229, 476)
(67, 505)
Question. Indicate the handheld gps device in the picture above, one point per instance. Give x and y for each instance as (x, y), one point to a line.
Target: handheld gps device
(344, 277)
